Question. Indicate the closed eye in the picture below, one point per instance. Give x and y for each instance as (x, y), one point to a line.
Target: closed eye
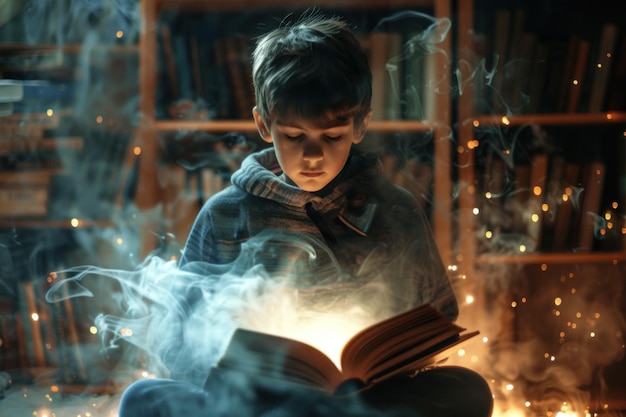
(293, 138)
(334, 138)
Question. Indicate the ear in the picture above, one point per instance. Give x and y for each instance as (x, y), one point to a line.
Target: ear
(264, 132)
(359, 131)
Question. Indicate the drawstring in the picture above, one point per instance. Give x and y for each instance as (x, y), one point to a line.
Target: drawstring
(321, 224)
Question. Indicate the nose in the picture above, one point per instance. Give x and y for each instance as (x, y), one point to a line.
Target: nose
(313, 151)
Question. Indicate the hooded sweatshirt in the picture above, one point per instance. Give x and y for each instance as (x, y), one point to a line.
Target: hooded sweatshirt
(360, 237)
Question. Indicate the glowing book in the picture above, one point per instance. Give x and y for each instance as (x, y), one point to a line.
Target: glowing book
(404, 343)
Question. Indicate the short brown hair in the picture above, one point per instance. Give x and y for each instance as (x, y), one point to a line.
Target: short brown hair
(310, 68)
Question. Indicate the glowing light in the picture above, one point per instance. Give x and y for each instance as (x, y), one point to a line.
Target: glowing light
(506, 151)
(75, 222)
(54, 388)
(34, 316)
(488, 234)
(552, 358)
(126, 332)
(119, 34)
(522, 248)
(597, 315)
(514, 304)
(505, 120)
(537, 190)
(557, 313)
(485, 339)
(614, 205)
(578, 315)
(119, 241)
(473, 144)
(592, 334)
(523, 299)
(43, 412)
(469, 299)
(527, 404)
(93, 330)
(557, 301)
(534, 218)
(49, 112)
(99, 119)
(609, 116)
(475, 211)
(460, 149)
(461, 352)
(545, 207)
(488, 195)
(544, 267)
(476, 123)
(509, 387)
(137, 150)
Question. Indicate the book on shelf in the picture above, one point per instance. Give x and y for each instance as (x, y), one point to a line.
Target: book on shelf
(378, 54)
(9, 349)
(579, 76)
(616, 95)
(591, 197)
(602, 67)
(405, 343)
(567, 208)
(500, 41)
(30, 308)
(24, 201)
(13, 90)
(537, 190)
(71, 361)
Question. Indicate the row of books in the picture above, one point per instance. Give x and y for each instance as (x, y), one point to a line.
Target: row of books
(215, 72)
(52, 170)
(532, 67)
(69, 21)
(548, 203)
(25, 97)
(37, 334)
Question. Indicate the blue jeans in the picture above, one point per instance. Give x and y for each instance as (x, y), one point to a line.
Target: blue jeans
(442, 392)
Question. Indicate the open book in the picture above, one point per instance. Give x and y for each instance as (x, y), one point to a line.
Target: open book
(401, 344)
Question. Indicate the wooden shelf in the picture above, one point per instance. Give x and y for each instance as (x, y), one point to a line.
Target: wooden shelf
(383, 126)
(21, 47)
(552, 119)
(238, 5)
(552, 258)
(53, 224)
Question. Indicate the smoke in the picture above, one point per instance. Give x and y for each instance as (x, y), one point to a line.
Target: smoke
(176, 322)
(183, 317)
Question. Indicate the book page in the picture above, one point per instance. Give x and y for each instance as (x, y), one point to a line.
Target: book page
(273, 356)
(394, 336)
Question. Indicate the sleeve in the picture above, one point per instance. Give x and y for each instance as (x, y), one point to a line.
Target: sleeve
(199, 244)
(431, 274)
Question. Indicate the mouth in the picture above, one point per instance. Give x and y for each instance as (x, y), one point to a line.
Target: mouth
(312, 174)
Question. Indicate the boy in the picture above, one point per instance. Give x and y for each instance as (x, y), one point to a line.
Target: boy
(325, 216)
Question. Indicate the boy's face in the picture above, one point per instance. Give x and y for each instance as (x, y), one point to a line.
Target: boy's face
(311, 154)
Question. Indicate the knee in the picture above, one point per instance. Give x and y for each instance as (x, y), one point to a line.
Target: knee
(137, 396)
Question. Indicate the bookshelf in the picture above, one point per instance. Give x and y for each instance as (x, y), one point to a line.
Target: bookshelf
(554, 63)
(154, 128)
(64, 153)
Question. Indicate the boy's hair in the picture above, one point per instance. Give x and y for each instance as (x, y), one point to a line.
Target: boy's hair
(311, 68)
